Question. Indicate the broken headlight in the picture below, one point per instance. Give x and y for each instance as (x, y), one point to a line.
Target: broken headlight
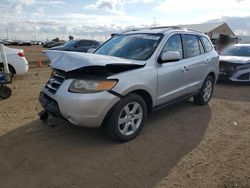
(91, 86)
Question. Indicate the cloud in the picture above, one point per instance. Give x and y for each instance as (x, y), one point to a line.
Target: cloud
(113, 6)
(222, 7)
(17, 6)
(78, 24)
(52, 18)
(102, 4)
(148, 1)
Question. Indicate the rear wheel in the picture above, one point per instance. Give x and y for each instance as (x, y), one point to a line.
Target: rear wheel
(126, 119)
(5, 92)
(204, 96)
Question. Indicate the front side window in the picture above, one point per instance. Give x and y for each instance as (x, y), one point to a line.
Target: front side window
(174, 43)
(131, 46)
(192, 46)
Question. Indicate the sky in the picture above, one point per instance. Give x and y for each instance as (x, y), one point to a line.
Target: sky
(97, 19)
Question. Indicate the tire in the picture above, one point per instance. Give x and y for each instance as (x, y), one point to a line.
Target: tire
(132, 113)
(43, 115)
(12, 70)
(206, 92)
(5, 92)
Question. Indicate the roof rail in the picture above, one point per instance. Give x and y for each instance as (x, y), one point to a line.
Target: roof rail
(166, 27)
(134, 29)
(160, 27)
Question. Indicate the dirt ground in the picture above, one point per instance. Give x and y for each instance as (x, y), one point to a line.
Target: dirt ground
(181, 146)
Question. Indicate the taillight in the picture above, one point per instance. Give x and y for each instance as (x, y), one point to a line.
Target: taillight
(21, 54)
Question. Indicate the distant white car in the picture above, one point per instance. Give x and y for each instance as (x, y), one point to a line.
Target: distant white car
(235, 63)
(16, 60)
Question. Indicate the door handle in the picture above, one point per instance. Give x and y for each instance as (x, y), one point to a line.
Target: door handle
(185, 68)
(207, 61)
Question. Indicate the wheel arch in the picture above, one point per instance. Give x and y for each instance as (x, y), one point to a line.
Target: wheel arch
(212, 74)
(146, 97)
(10, 67)
(142, 93)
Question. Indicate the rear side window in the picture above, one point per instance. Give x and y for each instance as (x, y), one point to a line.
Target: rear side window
(207, 44)
(192, 46)
(174, 43)
(84, 43)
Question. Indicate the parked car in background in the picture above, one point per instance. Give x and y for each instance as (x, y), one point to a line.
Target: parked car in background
(16, 60)
(7, 42)
(235, 63)
(128, 76)
(77, 45)
(51, 44)
(36, 42)
(24, 43)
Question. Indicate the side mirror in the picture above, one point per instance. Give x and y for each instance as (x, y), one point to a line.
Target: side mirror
(169, 57)
(91, 50)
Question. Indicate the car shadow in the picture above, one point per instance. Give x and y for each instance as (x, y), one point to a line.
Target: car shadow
(35, 155)
(232, 91)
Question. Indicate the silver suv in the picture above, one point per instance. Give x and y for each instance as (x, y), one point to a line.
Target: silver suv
(129, 76)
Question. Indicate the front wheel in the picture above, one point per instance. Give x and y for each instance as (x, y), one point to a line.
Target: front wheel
(126, 119)
(206, 92)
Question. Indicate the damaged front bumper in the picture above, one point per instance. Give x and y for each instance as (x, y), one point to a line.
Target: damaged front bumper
(234, 72)
(86, 110)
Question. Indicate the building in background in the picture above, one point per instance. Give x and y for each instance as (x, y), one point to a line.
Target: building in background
(220, 33)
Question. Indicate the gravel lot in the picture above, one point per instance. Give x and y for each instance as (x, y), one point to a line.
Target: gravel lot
(181, 146)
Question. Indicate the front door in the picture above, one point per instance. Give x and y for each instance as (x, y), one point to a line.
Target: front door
(173, 77)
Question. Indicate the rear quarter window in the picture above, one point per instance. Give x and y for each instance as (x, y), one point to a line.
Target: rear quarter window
(207, 44)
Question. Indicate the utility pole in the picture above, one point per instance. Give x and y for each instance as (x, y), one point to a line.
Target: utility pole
(154, 24)
(7, 34)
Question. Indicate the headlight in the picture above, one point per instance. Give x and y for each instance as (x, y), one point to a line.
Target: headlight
(91, 86)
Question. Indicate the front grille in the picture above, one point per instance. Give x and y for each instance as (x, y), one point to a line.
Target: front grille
(227, 68)
(49, 99)
(54, 82)
(245, 76)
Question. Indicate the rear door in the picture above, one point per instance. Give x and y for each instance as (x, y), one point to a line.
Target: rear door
(197, 61)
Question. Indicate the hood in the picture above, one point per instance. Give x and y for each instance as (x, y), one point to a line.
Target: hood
(69, 61)
(235, 59)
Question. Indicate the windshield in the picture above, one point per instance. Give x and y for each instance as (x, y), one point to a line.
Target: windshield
(69, 43)
(134, 46)
(236, 51)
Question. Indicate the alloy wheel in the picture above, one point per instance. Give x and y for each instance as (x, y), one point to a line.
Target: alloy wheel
(130, 118)
(208, 90)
